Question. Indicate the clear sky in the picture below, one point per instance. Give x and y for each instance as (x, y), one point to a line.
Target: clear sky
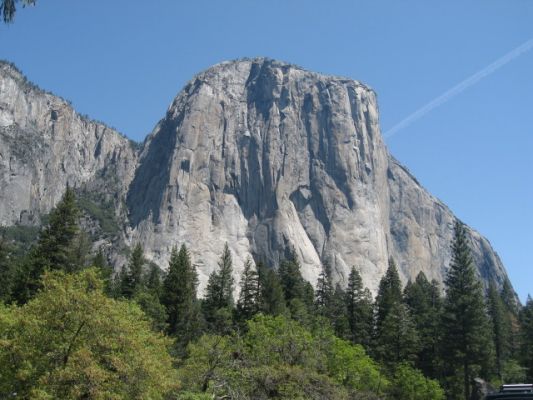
(123, 61)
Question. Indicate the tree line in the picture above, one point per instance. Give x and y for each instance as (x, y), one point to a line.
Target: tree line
(71, 328)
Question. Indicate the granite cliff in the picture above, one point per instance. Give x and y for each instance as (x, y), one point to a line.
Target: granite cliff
(258, 153)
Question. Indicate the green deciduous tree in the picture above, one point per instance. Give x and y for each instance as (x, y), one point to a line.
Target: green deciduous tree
(72, 342)
(350, 366)
(410, 384)
(278, 358)
(466, 340)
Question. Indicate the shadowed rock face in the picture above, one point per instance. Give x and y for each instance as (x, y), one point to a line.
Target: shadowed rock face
(269, 158)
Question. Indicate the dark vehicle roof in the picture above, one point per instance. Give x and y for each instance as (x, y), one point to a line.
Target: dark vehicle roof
(516, 396)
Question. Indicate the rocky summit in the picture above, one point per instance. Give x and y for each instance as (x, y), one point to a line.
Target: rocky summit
(261, 154)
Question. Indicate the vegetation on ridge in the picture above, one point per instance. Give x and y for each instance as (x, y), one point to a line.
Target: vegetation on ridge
(69, 329)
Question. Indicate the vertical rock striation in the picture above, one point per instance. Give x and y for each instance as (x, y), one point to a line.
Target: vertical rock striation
(272, 158)
(260, 154)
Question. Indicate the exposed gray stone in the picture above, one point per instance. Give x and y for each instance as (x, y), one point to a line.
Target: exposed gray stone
(260, 154)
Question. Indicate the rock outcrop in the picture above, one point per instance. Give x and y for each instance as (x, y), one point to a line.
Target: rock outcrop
(45, 146)
(260, 154)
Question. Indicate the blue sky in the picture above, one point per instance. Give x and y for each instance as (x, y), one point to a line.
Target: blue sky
(123, 61)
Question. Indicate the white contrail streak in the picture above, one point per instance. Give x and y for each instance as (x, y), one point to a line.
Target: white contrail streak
(454, 91)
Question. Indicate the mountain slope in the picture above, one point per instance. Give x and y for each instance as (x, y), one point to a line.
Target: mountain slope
(260, 154)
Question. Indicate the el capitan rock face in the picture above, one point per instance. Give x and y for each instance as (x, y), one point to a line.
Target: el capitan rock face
(260, 154)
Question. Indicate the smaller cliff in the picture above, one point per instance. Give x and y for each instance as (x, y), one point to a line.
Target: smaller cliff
(46, 145)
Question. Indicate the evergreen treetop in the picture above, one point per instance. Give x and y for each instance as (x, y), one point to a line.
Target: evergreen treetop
(466, 341)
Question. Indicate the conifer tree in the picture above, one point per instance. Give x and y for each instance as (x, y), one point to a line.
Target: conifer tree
(272, 299)
(324, 292)
(55, 249)
(398, 339)
(179, 298)
(512, 308)
(99, 261)
(132, 273)
(501, 328)
(291, 280)
(250, 296)
(153, 279)
(425, 305)
(526, 336)
(106, 271)
(299, 294)
(358, 302)
(6, 270)
(509, 297)
(389, 294)
(339, 313)
(218, 303)
(466, 341)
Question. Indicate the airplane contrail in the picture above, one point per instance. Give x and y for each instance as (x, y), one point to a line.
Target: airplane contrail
(460, 87)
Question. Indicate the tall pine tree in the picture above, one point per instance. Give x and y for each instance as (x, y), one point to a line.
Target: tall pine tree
(56, 248)
(501, 329)
(526, 336)
(180, 300)
(466, 333)
(389, 294)
(425, 304)
(398, 339)
(132, 274)
(358, 302)
(272, 299)
(250, 297)
(298, 292)
(6, 270)
(324, 292)
(218, 303)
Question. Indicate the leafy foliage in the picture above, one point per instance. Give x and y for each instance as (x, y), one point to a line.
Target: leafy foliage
(71, 341)
(410, 384)
(279, 358)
